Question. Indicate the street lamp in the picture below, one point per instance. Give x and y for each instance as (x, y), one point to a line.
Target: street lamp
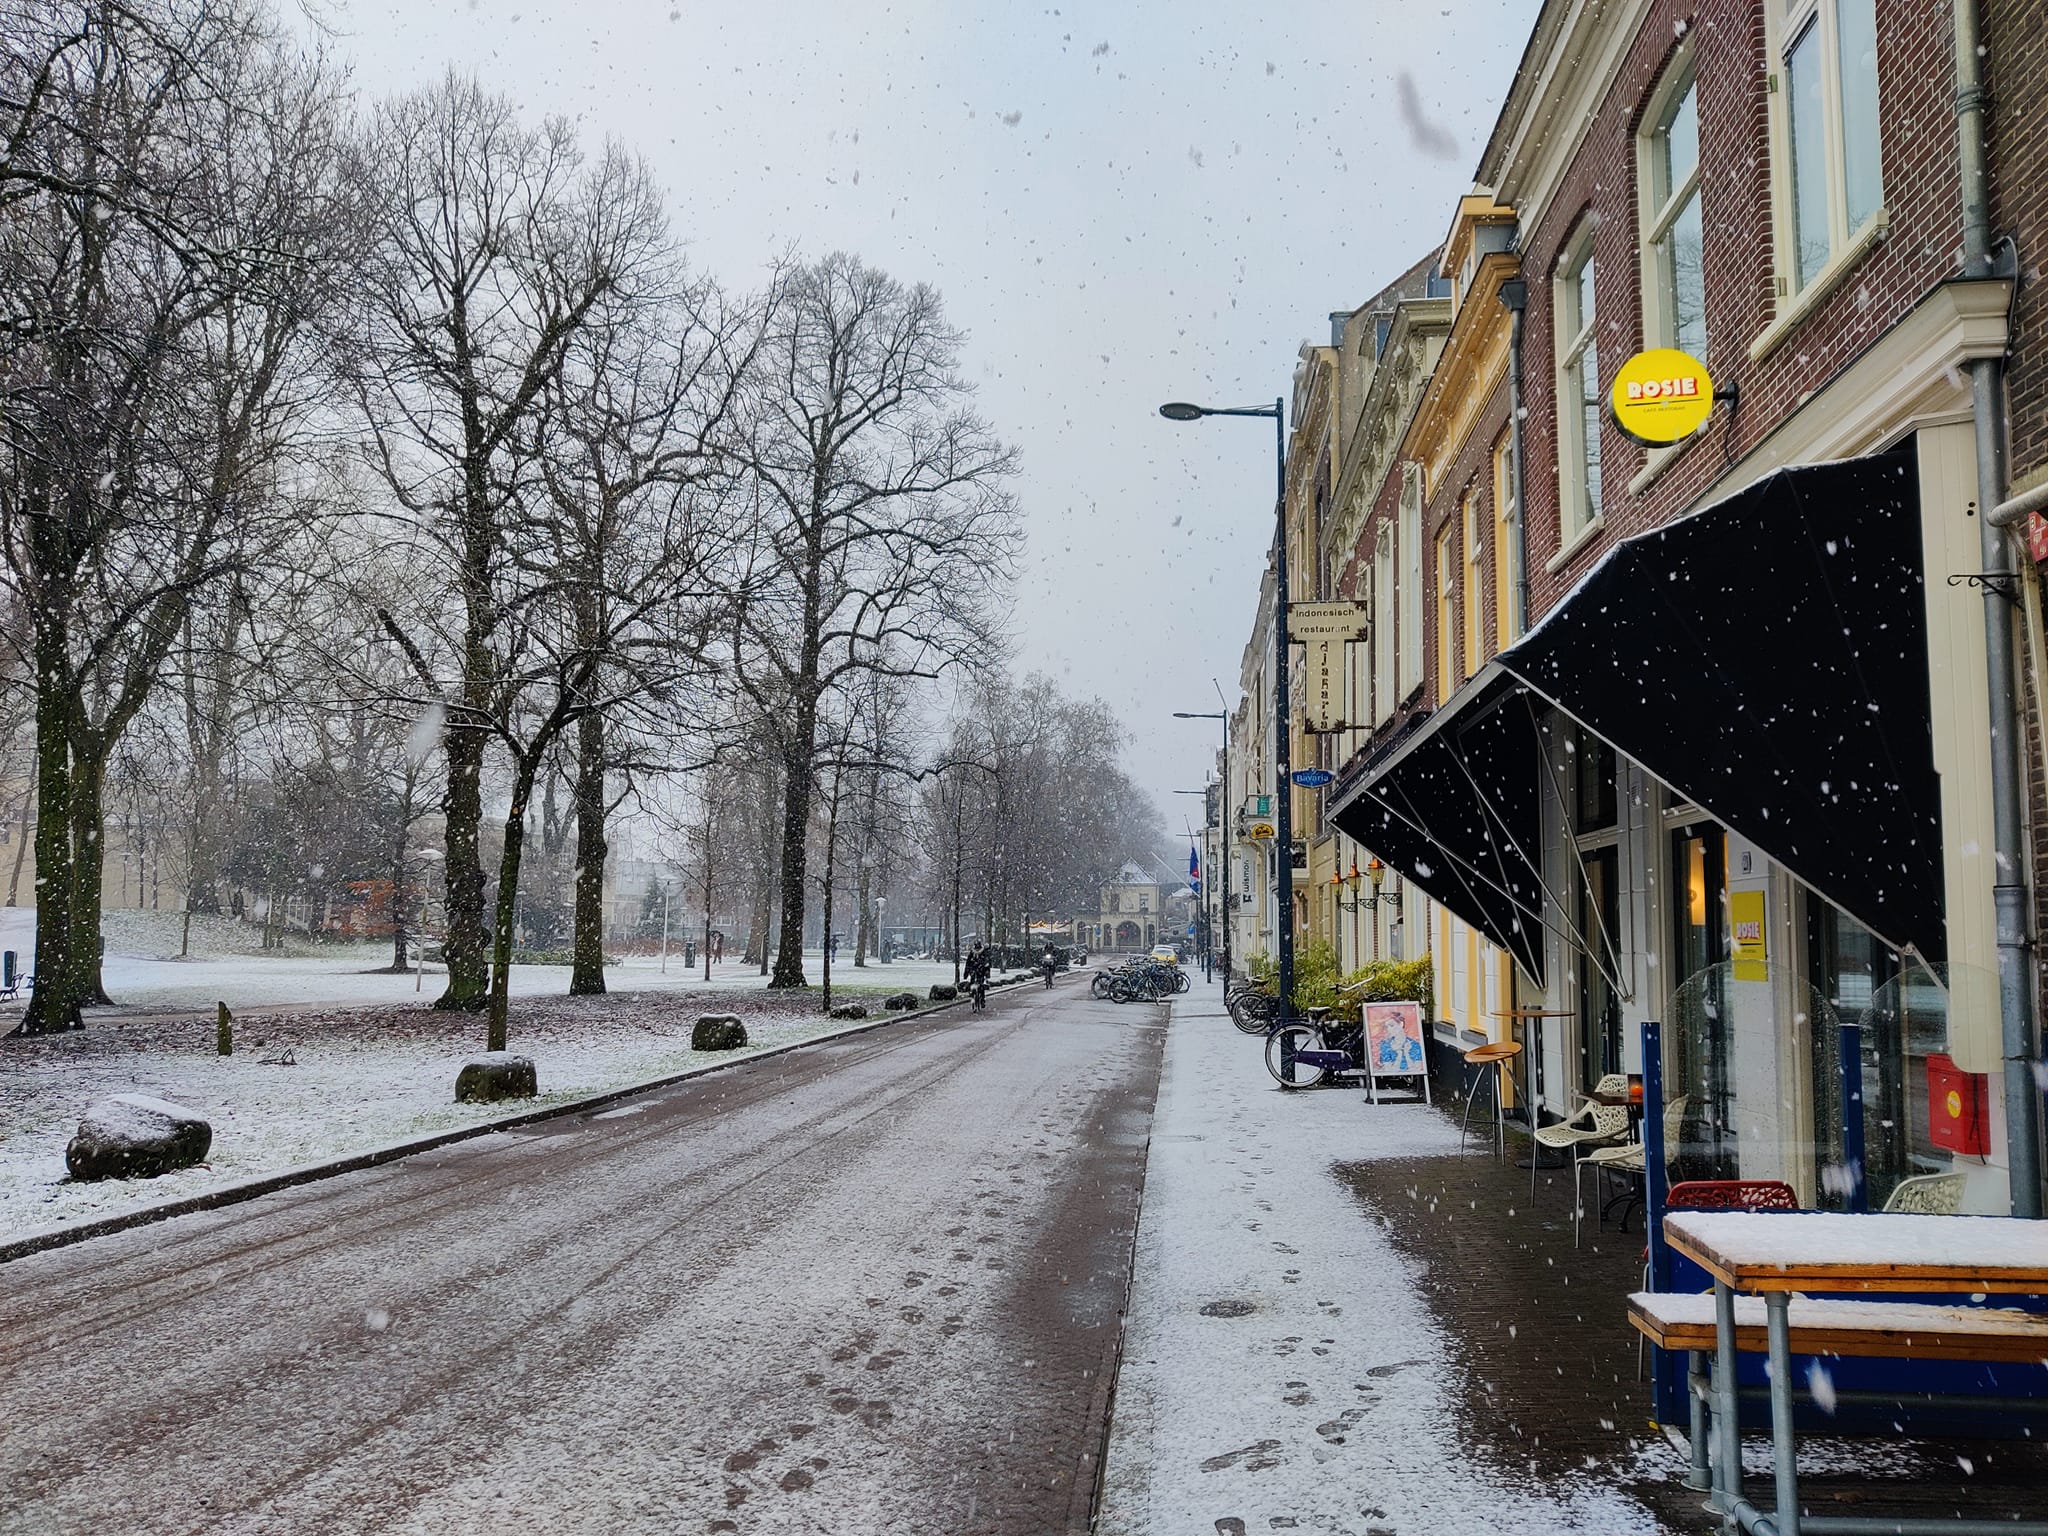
(1181, 410)
(1222, 824)
(1377, 873)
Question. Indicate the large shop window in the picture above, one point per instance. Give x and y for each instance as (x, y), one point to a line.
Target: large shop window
(1674, 311)
(1578, 390)
(1831, 179)
(1669, 653)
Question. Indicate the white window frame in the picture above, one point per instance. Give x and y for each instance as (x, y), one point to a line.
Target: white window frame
(1472, 609)
(1383, 625)
(1503, 540)
(1578, 508)
(1660, 318)
(1787, 23)
(1449, 631)
(1408, 586)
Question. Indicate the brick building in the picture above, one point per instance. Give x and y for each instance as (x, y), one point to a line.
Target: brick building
(1620, 802)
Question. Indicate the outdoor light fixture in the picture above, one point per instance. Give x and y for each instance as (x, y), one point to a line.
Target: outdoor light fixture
(1377, 873)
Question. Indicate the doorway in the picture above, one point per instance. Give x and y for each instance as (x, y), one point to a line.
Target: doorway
(1699, 945)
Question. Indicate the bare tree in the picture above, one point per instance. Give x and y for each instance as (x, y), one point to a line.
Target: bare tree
(886, 527)
(494, 243)
(174, 225)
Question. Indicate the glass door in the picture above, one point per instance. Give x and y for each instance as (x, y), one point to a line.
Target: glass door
(1699, 945)
(1600, 1049)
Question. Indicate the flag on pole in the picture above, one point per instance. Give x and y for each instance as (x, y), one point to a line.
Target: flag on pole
(1194, 867)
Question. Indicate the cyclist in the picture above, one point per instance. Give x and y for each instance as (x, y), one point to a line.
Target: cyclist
(1048, 962)
(977, 974)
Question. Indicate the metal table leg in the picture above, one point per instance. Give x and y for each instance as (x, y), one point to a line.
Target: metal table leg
(1727, 1426)
(1776, 1308)
(1697, 1385)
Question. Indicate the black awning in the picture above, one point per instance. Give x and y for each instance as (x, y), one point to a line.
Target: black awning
(1765, 657)
(1456, 808)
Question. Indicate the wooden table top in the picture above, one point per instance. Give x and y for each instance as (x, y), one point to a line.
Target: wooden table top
(1831, 1251)
(1494, 1050)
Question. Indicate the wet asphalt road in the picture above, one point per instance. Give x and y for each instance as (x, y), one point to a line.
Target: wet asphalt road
(872, 1285)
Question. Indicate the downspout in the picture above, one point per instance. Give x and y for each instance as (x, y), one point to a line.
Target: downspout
(1514, 293)
(2009, 890)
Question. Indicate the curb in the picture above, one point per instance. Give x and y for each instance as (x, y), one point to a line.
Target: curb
(391, 1152)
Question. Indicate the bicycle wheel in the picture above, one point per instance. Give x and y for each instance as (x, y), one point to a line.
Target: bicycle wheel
(1181, 982)
(1099, 987)
(1282, 1043)
(1248, 1013)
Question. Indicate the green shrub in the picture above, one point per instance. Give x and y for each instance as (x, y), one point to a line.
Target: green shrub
(1319, 984)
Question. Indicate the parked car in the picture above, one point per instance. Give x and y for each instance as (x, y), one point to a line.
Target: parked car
(1166, 954)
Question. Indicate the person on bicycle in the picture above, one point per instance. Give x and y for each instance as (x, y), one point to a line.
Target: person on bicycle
(977, 972)
(1048, 962)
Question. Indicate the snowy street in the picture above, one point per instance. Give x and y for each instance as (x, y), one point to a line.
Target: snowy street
(870, 1285)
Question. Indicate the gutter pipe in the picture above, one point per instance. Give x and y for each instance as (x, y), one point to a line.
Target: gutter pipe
(2009, 848)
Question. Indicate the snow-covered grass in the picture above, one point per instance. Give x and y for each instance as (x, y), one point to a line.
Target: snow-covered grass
(227, 964)
(1281, 1364)
(360, 1078)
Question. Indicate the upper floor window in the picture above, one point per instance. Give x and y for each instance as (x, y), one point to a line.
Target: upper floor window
(1674, 312)
(1408, 584)
(1446, 611)
(1831, 185)
(1383, 625)
(1503, 540)
(1471, 607)
(1578, 390)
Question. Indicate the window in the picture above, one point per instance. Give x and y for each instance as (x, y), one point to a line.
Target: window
(1504, 540)
(1471, 608)
(1446, 612)
(1383, 625)
(1831, 186)
(1408, 586)
(1674, 311)
(1578, 391)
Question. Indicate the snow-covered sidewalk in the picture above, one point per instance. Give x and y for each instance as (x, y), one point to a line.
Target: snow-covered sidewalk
(359, 1079)
(1281, 1366)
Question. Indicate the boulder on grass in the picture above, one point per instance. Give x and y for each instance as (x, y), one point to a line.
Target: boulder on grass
(850, 1011)
(133, 1136)
(496, 1075)
(718, 1032)
(943, 993)
(896, 1002)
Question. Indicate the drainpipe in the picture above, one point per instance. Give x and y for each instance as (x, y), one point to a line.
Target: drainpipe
(1514, 293)
(2009, 890)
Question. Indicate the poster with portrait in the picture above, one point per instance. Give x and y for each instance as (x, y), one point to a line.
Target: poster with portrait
(1393, 1040)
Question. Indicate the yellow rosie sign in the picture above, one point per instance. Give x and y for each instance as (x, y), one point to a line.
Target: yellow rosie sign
(1662, 396)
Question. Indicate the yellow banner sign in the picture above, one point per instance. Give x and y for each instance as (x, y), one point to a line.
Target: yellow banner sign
(1662, 396)
(1746, 917)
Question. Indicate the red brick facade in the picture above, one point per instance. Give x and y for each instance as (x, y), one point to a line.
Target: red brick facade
(1728, 51)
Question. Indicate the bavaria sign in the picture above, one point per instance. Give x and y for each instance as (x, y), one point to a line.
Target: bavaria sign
(1313, 778)
(1662, 396)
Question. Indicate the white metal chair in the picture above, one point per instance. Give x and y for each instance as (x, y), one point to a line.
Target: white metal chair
(1930, 1194)
(1631, 1160)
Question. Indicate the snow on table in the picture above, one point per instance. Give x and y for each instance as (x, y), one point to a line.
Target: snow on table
(362, 1079)
(1994, 1249)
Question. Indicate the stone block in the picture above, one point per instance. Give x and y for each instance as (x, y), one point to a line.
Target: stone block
(718, 1032)
(496, 1075)
(134, 1136)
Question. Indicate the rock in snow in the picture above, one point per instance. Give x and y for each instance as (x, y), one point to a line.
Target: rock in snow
(943, 993)
(496, 1075)
(898, 1001)
(850, 1011)
(133, 1136)
(718, 1032)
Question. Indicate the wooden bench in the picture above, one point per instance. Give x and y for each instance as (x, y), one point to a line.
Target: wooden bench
(1899, 1330)
(1868, 1329)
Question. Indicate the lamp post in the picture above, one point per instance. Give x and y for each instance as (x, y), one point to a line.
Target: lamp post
(1222, 825)
(1180, 410)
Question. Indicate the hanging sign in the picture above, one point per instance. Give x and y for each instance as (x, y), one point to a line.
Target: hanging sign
(1662, 396)
(1752, 947)
(1326, 623)
(1312, 778)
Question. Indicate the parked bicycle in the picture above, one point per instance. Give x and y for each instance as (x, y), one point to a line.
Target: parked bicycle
(1139, 981)
(1254, 1008)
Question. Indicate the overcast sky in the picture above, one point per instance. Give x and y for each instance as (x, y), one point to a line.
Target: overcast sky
(1122, 204)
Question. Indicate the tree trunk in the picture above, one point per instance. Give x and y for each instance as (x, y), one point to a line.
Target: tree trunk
(28, 800)
(52, 1007)
(796, 817)
(463, 811)
(88, 870)
(586, 970)
(863, 921)
(508, 903)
